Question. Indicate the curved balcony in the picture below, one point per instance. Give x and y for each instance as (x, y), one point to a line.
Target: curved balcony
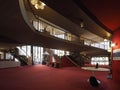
(16, 25)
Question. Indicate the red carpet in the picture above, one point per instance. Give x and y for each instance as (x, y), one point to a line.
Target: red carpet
(40, 77)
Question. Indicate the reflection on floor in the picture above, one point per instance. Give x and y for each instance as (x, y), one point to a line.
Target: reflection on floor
(95, 69)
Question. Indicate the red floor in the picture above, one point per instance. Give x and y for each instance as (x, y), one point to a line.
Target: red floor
(40, 77)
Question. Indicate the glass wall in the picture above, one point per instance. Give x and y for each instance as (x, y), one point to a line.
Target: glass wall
(8, 56)
(103, 45)
(37, 53)
(100, 60)
(28, 50)
(25, 50)
(51, 30)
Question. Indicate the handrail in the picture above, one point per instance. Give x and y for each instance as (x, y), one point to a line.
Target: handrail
(93, 42)
(23, 52)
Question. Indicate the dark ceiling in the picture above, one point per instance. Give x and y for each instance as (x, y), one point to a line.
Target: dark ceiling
(71, 9)
(106, 11)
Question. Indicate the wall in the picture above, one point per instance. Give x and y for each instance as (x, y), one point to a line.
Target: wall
(116, 53)
(8, 64)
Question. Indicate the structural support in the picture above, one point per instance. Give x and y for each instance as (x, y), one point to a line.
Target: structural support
(116, 56)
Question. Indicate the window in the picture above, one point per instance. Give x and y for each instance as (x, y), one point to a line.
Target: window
(100, 60)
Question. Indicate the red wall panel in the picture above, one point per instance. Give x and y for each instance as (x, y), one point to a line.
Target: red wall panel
(116, 63)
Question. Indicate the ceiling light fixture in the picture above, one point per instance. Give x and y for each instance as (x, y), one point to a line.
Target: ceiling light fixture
(38, 4)
(113, 44)
(105, 40)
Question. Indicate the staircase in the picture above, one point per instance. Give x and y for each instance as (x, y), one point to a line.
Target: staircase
(22, 58)
(67, 62)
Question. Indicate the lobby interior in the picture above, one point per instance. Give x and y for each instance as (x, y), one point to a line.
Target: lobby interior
(59, 37)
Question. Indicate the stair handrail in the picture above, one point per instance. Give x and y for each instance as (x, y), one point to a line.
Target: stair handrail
(24, 53)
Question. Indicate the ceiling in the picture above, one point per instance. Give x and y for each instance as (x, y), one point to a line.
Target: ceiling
(73, 10)
(106, 11)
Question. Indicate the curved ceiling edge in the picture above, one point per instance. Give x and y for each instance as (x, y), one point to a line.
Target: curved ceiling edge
(24, 13)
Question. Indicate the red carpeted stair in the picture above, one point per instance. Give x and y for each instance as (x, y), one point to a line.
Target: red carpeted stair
(66, 62)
